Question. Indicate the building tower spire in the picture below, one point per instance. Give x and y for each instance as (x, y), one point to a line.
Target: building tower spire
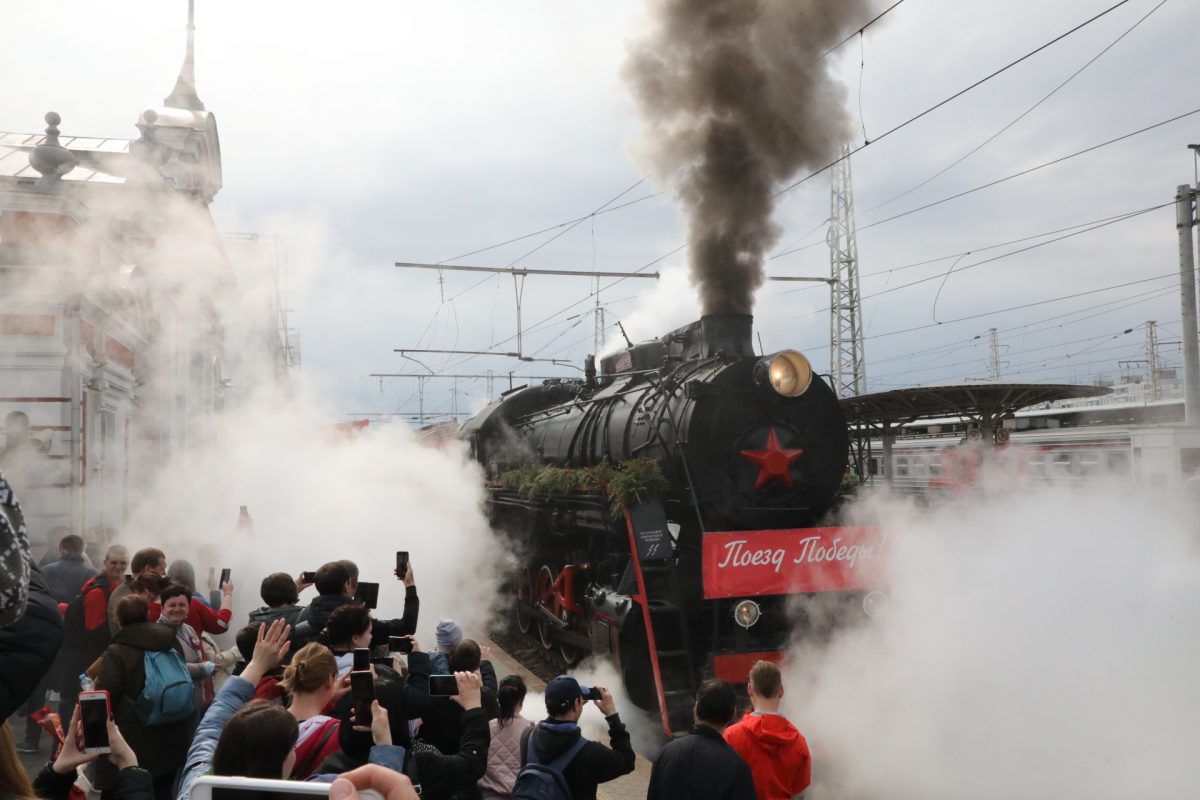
(184, 94)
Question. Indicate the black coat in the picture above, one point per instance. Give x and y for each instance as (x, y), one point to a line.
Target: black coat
(313, 618)
(159, 748)
(442, 727)
(445, 776)
(593, 765)
(700, 766)
(29, 645)
(133, 783)
(441, 777)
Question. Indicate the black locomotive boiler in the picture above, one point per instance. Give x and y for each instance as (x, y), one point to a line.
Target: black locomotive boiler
(748, 445)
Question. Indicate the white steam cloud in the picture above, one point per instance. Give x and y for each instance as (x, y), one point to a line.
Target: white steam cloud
(1040, 644)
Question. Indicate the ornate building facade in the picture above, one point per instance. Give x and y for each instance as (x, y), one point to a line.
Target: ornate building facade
(113, 280)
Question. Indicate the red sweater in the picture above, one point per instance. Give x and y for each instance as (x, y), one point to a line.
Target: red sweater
(776, 752)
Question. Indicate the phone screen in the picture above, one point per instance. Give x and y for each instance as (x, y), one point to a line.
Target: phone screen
(368, 593)
(362, 659)
(401, 563)
(362, 688)
(94, 713)
(442, 685)
(224, 578)
(308, 577)
(400, 644)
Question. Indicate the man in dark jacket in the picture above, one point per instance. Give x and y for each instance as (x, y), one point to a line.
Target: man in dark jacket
(160, 749)
(701, 765)
(336, 583)
(550, 738)
(278, 591)
(442, 727)
(67, 574)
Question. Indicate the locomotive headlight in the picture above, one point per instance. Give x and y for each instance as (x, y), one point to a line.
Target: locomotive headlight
(746, 613)
(788, 373)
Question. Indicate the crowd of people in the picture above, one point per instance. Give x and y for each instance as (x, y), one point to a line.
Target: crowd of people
(325, 690)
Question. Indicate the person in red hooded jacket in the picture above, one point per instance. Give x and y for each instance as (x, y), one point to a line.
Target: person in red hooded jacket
(776, 752)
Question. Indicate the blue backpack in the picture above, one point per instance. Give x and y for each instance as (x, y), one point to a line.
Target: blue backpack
(168, 696)
(537, 781)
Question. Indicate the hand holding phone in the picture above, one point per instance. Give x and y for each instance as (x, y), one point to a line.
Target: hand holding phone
(442, 686)
(400, 644)
(362, 690)
(308, 578)
(367, 594)
(94, 713)
(401, 564)
(224, 578)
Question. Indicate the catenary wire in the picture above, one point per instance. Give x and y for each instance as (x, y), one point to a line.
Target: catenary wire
(1023, 114)
(952, 97)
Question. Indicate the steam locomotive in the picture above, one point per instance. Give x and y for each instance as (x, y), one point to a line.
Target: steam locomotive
(726, 565)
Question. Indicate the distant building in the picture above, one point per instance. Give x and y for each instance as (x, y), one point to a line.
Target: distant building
(113, 337)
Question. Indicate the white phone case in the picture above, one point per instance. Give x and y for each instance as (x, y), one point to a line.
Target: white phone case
(202, 789)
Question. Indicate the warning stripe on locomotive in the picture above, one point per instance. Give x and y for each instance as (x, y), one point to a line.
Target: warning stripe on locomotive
(790, 561)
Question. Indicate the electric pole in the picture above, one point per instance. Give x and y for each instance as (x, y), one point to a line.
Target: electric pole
(846, 359)
(1152, 359)
(993, 355)
(1185, 220)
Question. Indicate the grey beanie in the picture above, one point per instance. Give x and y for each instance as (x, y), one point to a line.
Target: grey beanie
(183, 572)
(448, 635)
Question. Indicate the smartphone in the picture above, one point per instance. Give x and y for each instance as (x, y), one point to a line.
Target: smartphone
(401, 563)
(362, 659)
(362, 689)
(213, 787)
(368, 594)
(592, 694)
(224, 578)
(308, 577)
(94, 711)
(400, 644)
(442, 686)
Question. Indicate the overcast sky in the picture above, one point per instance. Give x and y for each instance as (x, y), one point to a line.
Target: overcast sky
(368, 133)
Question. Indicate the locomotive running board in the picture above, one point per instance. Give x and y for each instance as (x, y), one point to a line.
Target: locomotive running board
(667, 640)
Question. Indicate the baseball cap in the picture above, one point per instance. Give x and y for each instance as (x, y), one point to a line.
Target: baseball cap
(562, 692)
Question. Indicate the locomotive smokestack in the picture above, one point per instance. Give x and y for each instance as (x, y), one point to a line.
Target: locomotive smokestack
(729, 334)
(736, 98)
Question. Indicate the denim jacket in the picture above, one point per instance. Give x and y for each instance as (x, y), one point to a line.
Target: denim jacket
(236, 692)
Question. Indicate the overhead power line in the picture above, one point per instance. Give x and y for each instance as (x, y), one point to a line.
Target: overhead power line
(953, 97)
(1027, 171)
(1024, 113)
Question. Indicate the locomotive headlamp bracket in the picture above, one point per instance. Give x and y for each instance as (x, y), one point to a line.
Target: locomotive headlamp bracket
(788, 372)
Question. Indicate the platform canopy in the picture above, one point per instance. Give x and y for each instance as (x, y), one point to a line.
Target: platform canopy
(981, 400)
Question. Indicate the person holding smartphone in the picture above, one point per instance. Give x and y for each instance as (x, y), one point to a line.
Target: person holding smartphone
(255, 739)
(55, 780)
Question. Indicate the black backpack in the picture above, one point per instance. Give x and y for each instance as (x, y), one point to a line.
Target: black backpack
(75, 635)
(537, 781)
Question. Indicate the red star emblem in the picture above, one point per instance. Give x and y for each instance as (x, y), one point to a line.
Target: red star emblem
(774, 463)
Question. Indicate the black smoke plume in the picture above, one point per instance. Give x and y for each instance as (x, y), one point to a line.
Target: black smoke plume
(736, 97)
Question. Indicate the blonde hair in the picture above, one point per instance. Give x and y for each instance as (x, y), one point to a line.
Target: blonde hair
(311, 668)
(13, 780)
(766, 678)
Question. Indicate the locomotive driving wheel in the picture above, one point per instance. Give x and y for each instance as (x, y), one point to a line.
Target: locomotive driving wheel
(523, 590)
(547, 598)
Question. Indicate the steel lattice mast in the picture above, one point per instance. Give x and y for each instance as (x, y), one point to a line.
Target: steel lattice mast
(846, 359)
